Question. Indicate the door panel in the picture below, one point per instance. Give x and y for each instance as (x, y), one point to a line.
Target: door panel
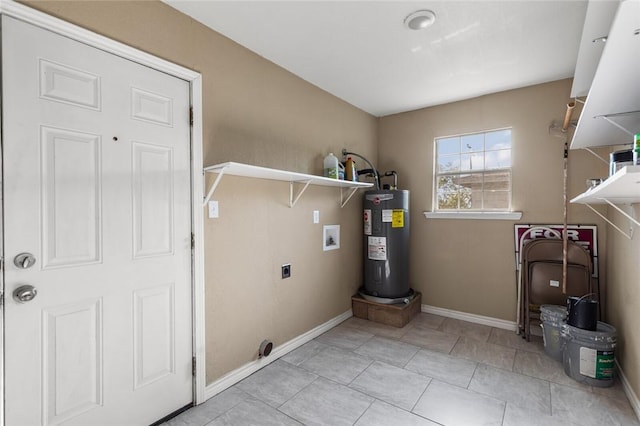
(64, 84)
(151, 107)
(73, 360)
(97, 187)
(71, 194)
(153, 342)
(152, 202)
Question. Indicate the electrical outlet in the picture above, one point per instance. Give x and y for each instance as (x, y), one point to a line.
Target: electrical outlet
(286, 271)
(316, 216)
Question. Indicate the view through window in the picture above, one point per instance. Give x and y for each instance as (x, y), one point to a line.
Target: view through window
(473, 172)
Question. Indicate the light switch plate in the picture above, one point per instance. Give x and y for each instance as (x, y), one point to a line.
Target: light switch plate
(213, 210)
(316, 216)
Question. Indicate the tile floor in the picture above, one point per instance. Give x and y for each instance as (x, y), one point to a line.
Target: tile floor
(433, 371)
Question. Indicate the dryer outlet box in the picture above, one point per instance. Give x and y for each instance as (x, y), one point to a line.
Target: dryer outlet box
(286, 271)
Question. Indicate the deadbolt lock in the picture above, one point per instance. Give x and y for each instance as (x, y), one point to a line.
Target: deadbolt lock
(24, 260)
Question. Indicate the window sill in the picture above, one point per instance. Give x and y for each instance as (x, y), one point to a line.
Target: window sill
(474, 215)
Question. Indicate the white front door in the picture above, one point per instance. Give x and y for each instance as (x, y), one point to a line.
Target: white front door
(96, 153)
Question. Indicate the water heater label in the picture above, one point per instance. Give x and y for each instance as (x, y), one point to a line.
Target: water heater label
(367, 221)
(387, 215)
(397, 219)
(377, 248)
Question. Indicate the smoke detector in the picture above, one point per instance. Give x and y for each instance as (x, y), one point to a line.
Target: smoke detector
(420, 20)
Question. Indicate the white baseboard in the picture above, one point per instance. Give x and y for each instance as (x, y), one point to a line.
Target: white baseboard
(478, 319)
(248, 369)
(631, 395)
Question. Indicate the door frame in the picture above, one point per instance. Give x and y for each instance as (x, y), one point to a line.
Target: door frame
(58, 26)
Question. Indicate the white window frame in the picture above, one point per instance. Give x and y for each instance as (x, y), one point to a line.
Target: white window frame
(506, 213)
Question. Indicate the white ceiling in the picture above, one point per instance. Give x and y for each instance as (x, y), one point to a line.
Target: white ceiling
(361, 52)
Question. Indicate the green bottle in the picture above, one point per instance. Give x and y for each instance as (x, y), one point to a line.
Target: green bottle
(636, 149)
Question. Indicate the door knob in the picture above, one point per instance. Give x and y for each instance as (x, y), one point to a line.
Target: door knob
(24, 260)
(24, 293)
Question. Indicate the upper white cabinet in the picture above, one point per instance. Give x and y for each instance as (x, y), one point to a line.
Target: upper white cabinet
(611, 114)
(597, 23)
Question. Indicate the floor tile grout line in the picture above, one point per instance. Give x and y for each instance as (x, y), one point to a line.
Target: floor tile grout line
(473, 375)
(513, 361)
(366, 409)
(420, 397)
(375, 398)
(293, 396)
(414, 406)
(550, 400)
(303, 388)
(360, 373)
(504, 412)
(404, 367)
(292, 418)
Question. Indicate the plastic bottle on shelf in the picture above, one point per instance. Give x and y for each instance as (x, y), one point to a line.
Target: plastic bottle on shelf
(636, 150)
(331, 166)
(341, 171)
(355, 172)
(351, 173)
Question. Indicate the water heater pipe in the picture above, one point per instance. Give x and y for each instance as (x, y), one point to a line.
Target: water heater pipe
(395, 178)
(376, 175)
(567, 116)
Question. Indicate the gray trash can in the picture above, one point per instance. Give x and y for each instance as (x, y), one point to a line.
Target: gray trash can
(553, 317)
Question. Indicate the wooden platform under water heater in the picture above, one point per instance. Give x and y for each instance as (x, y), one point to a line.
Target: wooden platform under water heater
(395, 315)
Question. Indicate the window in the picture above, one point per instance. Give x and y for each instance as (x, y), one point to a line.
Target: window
(473, 172)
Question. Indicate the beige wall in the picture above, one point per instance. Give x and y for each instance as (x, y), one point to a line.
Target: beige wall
(624, 294)
(257, 113)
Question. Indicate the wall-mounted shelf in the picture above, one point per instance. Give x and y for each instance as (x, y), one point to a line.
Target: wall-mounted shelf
(294, 178)
(621, 188)
(611, 112)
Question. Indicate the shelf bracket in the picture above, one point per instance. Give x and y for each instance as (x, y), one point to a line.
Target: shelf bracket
(618, 114)
(632, 220)
(344, 202)
(213, 186)
(629, 235)
(604, 160)
(292, 200)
